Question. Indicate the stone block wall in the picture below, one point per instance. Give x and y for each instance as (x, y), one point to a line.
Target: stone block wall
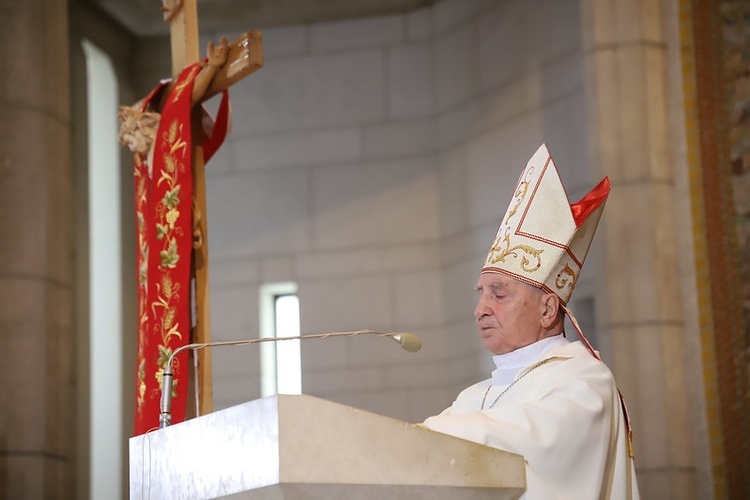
(370, 162)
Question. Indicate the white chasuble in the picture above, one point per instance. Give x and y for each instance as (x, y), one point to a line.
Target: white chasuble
(562, 412)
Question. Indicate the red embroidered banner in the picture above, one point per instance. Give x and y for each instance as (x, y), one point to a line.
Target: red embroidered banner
(163, 201)
(142, 174)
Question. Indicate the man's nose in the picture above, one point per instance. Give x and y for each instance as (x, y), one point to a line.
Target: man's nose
(482, 308)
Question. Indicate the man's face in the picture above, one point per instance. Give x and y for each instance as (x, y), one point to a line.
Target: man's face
(508, 313)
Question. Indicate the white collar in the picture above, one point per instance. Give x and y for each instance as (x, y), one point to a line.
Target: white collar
(509, 364)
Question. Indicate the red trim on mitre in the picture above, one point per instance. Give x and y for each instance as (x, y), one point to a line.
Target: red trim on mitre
(521, 278)
(531, 200)
(532, 197)
(590, 202)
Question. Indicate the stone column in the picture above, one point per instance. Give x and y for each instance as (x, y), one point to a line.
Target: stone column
(36, 253)
(625, 48)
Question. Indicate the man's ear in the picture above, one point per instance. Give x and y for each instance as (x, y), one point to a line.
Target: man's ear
(550, 308)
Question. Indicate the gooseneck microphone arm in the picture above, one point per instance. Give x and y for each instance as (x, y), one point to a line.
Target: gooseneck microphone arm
(407, 341)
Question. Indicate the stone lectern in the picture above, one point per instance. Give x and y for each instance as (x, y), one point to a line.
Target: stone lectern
(301, 447)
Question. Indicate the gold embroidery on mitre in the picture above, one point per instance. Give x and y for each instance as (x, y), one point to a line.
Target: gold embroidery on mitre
(498, 254)
(566, 277)
(519, 195)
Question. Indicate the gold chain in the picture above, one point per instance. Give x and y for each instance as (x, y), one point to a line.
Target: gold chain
(533, 367)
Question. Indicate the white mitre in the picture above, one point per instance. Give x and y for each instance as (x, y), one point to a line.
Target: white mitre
(543, 240)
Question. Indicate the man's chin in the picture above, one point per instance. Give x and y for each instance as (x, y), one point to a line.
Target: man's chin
(491, 344)
(488, 344)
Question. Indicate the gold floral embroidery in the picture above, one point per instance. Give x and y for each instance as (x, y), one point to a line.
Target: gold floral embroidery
(167, 232)
(498, 254)
(141, 384)
(180, 87)
(140, 174)
(530, 257)
(519, 195)
(566, 277)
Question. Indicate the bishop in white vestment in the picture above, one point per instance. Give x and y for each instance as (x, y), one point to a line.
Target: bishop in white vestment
(553, 401)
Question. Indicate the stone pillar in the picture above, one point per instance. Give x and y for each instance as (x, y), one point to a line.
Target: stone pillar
(627, 80)
(36, 253)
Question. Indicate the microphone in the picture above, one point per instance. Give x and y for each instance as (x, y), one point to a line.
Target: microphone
(407, 341)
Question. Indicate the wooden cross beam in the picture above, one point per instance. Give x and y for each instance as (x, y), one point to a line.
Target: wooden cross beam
(245, 56)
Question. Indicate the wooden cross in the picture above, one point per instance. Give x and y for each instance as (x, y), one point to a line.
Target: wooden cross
(244, 57)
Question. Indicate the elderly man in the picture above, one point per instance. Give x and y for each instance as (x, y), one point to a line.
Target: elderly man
(550, 400)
